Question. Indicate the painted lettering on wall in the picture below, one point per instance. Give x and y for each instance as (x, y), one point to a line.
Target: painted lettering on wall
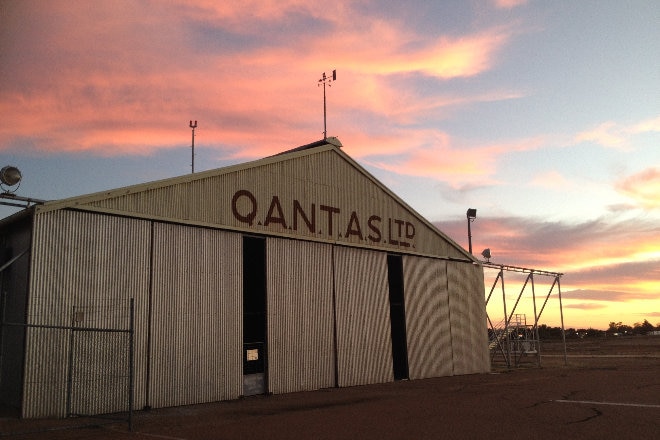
(325, 220)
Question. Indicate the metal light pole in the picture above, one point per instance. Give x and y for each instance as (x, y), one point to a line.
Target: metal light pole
(471, 215)
(323, 80)
(193, 126)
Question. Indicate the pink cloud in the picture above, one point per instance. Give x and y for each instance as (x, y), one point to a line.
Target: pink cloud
(437, 156)
(508, 4)
(643, 187)
(570, 248)
(109, 80)
(615, 135)
(607, 134)
(585, 306)
(602, 295)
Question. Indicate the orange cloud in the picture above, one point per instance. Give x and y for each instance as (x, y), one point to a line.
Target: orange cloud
(647, 126)
(435, 155)
(610, 266)
(614, 135)
(643, 187)
(570, 248)
(508, 4)
(109, 80)
(607, 134)
(378, 48)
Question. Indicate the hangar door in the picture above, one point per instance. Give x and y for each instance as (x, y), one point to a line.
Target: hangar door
(427, 310)
(195, 341)
(301, 353)
(364, 343)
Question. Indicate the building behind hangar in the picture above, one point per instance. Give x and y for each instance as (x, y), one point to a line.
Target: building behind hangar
(295, 272)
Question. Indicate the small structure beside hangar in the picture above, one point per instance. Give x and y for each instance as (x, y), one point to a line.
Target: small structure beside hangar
(296, 272)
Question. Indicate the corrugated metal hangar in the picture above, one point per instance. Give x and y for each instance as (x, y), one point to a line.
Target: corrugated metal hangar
(296, 272)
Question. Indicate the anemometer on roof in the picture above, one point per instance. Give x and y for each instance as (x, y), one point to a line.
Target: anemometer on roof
(326, 79)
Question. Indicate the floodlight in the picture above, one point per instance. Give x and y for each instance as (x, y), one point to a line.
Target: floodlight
(471, 215)
(486, 254)
(10, 175)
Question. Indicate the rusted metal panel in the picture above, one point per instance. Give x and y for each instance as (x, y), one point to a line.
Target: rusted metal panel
(427, 317)
(196, 325)
(300, 316)
(467, 311)
(364, 344)
(85, 269)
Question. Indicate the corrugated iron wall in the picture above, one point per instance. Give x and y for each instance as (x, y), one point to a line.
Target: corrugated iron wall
(364, 344)
(467, 312)
(478, 320)
(300, 316)
(187, 285)
(427, 317)
(196, 326)
(84, 266)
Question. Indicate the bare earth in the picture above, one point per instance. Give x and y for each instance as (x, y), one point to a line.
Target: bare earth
(609, 389)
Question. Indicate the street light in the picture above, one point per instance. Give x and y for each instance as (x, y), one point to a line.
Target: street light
(471, 215)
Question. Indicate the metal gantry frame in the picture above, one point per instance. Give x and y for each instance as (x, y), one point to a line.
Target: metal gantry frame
(26, 201)
(512, 337)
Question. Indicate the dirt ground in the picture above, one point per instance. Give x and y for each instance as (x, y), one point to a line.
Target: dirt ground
(610, 388)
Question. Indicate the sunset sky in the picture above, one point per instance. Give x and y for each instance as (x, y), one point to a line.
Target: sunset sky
(543, 115)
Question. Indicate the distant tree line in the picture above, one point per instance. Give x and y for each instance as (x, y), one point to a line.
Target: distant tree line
(614, 329)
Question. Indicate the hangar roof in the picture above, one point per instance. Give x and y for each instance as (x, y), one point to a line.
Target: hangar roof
(312, 192)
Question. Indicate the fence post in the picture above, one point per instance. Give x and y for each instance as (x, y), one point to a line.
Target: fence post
(131, 372)
(69, 381)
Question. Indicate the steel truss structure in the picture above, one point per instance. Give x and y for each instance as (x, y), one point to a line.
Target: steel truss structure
(513, 338)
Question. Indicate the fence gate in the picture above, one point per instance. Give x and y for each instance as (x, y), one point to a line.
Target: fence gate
(100, 376)
(98, 347)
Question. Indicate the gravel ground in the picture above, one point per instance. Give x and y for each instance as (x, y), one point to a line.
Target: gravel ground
(610, 388)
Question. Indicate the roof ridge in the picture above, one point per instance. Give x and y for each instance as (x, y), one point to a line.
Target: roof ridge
(327, 141)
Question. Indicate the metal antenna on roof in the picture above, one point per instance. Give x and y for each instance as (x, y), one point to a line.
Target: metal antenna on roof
(326, 79)
(193, 126)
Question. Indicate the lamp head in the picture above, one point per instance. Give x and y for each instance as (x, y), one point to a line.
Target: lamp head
(10, 175)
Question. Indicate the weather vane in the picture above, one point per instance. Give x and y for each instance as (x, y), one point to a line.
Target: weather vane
(193, 126)
(326, 79)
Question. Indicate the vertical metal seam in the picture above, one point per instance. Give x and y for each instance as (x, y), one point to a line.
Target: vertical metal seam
(131, 367)
(451, 329)
(266, 347)
(69, 379)
(147, 385)
(334, 316)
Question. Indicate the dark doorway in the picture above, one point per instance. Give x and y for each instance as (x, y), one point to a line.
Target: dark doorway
(397, 317)
(254, 315)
